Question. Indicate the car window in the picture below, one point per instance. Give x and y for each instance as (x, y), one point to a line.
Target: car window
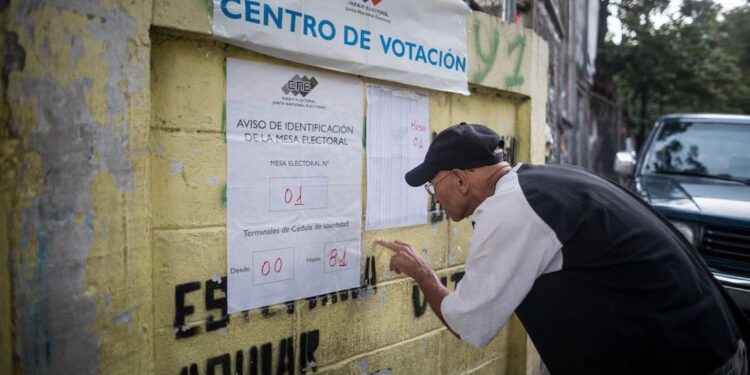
(716, 150)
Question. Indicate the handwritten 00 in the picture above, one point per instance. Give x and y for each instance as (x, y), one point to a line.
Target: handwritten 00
(265, 268)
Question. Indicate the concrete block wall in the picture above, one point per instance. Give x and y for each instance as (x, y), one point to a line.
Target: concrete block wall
(114, 206)
(76, 228)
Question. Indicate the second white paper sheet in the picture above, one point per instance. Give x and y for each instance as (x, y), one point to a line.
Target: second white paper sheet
(398, 135)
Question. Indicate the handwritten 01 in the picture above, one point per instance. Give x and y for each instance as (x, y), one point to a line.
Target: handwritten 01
(418, 140)
(289, 196)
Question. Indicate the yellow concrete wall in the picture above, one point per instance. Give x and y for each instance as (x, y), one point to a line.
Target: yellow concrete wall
(512, 60)
(78, 226)
(115, 161)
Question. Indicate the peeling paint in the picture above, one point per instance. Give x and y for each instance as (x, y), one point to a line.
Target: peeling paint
(15, 57)
(89, 221)
(176, 167)
(385, 371)
(41, 255)
(76, 120)
(312, 364)
(76, 50)
(56, 291)
(362, 365)
(123, 318)
(213, 181)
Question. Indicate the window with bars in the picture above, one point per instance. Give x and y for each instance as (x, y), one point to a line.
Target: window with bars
(503, 9)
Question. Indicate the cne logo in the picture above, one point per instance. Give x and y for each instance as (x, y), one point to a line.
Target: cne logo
(374, 2)
(299, 85)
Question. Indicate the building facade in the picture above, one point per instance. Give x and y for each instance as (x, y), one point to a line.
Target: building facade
(581, 123)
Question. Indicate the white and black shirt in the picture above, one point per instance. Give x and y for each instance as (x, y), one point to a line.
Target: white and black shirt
(600, 281)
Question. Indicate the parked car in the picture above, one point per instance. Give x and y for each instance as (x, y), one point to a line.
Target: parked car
(695, 170)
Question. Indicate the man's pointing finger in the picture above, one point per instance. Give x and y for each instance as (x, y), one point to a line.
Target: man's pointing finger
(391, 245)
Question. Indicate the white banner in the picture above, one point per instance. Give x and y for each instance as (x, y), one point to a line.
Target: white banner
(413, 42)
(294, 184)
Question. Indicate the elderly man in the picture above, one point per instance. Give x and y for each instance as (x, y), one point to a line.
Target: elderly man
(602, 283)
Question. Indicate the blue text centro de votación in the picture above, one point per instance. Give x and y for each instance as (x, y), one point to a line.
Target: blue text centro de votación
(295, 21)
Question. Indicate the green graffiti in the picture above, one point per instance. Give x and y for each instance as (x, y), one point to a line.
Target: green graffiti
(516, 79)
(364, 132)
(487, 59)
(223, 197)
(224, 122)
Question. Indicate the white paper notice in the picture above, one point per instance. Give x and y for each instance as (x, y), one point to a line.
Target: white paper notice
(294, 165)
(398, 135)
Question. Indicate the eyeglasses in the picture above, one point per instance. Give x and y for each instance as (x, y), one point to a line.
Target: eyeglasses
(430, 186)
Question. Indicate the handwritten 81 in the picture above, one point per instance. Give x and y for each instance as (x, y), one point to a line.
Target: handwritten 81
(342, 255)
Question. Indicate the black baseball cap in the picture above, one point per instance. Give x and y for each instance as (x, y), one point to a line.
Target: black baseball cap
(461, 146)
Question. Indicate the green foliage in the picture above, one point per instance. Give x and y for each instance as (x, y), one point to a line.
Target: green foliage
(695, 62)
(734, 39)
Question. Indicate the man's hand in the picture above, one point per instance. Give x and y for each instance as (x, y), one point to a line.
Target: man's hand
(406, 260)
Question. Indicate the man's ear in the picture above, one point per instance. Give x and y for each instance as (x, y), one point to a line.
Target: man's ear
(462, 180)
